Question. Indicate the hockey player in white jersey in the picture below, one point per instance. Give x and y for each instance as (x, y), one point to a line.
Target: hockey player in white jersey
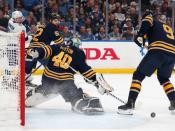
(15, 23)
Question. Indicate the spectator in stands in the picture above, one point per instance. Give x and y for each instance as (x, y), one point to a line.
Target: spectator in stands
(89, 6)
(90, 35)
(64, 7)
(66, 33)
(3, 21)
(101, 35)
(31, 4)
(2, 4)
(128, 29)
(7, 11)
(33, 29)
(133, 4)
(119, 14)
(81, 9)
(88, 23)
(128, 34)
(97, 21)
(112, 21)
(31, 19)
(127, 23)
(166, 10)
(134, 16)
(50, 5)
(157, 9)
(19, 5)
(112, 6)
(81, 20)
(82, 33)
(115, 34)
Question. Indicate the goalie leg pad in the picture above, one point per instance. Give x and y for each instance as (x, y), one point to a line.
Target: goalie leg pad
(35, 97)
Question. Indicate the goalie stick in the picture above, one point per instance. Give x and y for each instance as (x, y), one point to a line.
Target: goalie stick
(107, 92)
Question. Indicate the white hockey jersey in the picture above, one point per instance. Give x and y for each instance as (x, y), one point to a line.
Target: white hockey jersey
(16, 27)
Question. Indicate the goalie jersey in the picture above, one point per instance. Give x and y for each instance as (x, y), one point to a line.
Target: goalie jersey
(159, 35)
(47, 34)
(60, 57)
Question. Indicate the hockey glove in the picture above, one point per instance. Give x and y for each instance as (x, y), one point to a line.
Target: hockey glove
(139, 40)
(33, 53)
(102, 86)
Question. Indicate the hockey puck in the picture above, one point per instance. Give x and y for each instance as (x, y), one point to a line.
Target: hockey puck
(153, 114)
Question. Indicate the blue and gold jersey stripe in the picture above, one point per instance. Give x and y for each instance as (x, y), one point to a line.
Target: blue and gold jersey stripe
(135, 86)
(59, 41)
(89, 74)
(57, 76)
(47, 49)
(160, 45)
(148, 19)
(168, 87)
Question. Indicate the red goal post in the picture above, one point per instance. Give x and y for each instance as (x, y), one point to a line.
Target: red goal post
(12, 78)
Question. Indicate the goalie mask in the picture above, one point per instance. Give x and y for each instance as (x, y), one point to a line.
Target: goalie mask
(74, 42)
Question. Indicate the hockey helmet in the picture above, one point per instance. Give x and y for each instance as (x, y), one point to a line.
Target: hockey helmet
(53, 16)
(162, 18)
(17, 14)
(147, 12)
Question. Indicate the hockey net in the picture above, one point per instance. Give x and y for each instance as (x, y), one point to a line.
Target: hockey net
(12, 78)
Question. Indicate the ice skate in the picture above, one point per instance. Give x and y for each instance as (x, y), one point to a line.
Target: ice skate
(126, 109)
(172, 107)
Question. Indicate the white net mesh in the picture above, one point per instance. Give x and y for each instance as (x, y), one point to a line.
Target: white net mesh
(9, 78)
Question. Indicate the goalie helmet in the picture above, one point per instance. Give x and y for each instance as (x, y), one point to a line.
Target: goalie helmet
(74, 42)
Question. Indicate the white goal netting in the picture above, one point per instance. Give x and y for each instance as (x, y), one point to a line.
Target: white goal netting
(12, 87)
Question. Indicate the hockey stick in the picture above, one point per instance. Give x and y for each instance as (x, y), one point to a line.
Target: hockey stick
(33, 72)
(108, 93)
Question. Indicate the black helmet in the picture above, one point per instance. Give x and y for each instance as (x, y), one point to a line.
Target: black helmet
(147, 12)
(53, 16)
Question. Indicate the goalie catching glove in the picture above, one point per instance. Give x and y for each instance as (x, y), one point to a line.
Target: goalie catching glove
(102, 86)
(33, 53)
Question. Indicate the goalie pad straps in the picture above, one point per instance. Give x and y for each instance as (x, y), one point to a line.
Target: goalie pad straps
(103, 85)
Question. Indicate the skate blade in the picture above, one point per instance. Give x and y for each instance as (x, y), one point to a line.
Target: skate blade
(125, 112)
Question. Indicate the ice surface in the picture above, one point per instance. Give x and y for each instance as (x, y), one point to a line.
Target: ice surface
(56, 115)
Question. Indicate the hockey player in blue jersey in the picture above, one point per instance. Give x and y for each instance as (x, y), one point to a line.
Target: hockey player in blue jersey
(49, 34)
(160, 57)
